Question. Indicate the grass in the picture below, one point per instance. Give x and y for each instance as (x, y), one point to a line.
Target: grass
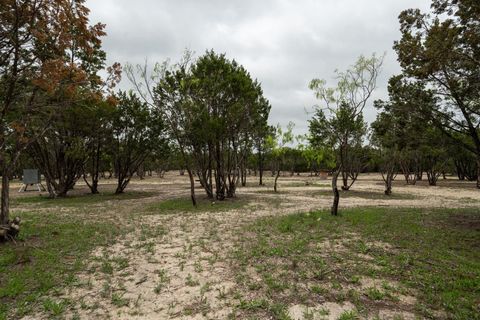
(78, 200)
(184, 205)
(50, 251)
(278, 261)
(432, 254)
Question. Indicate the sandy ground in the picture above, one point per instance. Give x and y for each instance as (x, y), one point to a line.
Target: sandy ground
(182, 272)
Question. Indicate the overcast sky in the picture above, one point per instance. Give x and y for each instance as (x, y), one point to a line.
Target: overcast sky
(284, 44)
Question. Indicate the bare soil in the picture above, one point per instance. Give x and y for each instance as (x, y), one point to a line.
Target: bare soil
(175, 265)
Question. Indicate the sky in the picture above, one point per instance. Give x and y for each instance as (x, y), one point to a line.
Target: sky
(284, 44)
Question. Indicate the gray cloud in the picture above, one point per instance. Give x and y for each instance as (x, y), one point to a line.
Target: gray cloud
(284, 44)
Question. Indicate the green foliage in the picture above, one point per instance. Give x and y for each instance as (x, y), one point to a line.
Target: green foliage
(137, 133)
(214, 110)
(277, 142)
(338, 123)
(440, 50)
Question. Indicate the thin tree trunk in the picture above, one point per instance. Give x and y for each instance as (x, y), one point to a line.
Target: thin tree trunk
(478, 171)
(192, 187)
(260, 168)
(336, 194)
(5, 209)
(276, 178)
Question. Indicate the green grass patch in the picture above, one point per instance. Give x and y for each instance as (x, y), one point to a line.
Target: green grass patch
(203, 205)
(51, 249)
(432, 254)
(79, 200)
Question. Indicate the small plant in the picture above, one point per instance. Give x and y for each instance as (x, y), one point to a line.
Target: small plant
(355, 279)
(191, 282)
(222, 294)
(349, 315)
(55, 308)
(119, 301)
(197, 267)
(375, 294)
(106, 267)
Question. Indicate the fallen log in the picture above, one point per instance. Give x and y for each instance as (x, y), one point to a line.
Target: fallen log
(10, 231)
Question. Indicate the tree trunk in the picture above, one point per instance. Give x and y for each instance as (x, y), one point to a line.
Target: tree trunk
(388, 183)
(276, 178)
(5, 209)
(419, 175)
(478, 171)
(336, 194)
(345, 185)
(260, 167)
(192, 187)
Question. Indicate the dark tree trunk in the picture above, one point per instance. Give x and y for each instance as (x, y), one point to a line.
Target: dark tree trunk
(276, 179)
(5, 209)
(388, 189)
(95, 173)
(336, 193)
(345, 185)
(244, 177)
(141, 172)
(260, 167)
(432, 177)
(388, 178)
(123, 181)
(419, 175)
(478, 171)
(192, 187)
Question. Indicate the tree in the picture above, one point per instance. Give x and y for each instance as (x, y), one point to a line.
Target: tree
(39, 40)
(386, 136)
(277, 143)
(210, 106)
(137, 132)
(339, 122)
(98, 133)
(260, 133)
(441, 50)
(463, 162)
(400, 129)
(61, 152)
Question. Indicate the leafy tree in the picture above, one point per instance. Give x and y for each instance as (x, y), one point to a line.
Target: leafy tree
(278, 144)
(339, 123)
(61, 152)
(434, 150)
(137, 132)
(463, 162)
(260, 133)
(210, 106)
(441, 50)
(46, 49)
(386, 131)
(316, 157)
(399, 127)
(98, 133)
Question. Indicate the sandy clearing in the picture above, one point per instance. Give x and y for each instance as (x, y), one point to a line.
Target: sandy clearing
(183, 274)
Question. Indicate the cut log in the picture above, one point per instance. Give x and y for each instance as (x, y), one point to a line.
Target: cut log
(11, 230)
